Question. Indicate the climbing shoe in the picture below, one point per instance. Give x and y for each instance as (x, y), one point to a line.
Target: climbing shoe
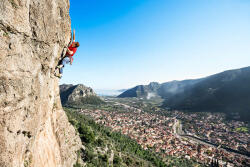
(59, 75)
(59, 66)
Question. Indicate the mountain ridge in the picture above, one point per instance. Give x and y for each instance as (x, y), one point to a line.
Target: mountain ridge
(227, 92)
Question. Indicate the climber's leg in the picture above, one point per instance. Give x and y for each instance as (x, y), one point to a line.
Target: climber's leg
(65, 61)
(63, 53)
(61, 70)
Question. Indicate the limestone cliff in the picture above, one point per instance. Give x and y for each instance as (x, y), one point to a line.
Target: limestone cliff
(34, 130)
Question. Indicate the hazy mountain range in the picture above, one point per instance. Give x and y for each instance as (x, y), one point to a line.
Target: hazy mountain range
(227, 92)
(109, 92)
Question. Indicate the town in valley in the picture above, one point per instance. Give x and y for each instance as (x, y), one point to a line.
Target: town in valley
(199, 136)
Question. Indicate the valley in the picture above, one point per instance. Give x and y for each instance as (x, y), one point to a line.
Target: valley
(198, 137)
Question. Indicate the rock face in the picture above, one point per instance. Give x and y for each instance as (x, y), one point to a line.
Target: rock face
(74, 93)
(34, 130)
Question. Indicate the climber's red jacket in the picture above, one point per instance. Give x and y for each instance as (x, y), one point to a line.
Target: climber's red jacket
(73, 49)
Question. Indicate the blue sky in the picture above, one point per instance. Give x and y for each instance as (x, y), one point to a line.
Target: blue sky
(129, 42)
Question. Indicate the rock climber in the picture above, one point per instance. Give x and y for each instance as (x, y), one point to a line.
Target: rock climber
(71, 50)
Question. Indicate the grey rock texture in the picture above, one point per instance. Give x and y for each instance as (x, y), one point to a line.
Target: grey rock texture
(34, 130)
(72, 93)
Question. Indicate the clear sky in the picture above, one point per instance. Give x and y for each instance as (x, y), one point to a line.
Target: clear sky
(125, 43)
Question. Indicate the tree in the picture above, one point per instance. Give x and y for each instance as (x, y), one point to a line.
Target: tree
(117, 160)
(86, 134)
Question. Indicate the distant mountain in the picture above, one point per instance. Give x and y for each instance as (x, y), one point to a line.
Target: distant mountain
(164, 90)
(227, 92)
(122, 90)
(169, 89)
(78, 95)
(141, 90)
(109, 92)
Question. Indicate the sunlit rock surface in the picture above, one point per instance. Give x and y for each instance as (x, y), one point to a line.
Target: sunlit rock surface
(34, 130)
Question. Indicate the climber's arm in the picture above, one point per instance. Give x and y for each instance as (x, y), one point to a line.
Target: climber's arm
(69, 52)
(71, 60)
(74, 35)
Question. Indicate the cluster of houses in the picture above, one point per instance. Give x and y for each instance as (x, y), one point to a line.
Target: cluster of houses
(216, 129)
(158, 132)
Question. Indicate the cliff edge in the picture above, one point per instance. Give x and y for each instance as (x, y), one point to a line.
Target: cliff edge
(34, 130)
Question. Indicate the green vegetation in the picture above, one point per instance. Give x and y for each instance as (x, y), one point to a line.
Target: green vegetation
(27, 162)
(77, 165)
(77, 162)
(107, 148)
(242, 129)
(14, 5)
(91, 100)
(5, 34)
